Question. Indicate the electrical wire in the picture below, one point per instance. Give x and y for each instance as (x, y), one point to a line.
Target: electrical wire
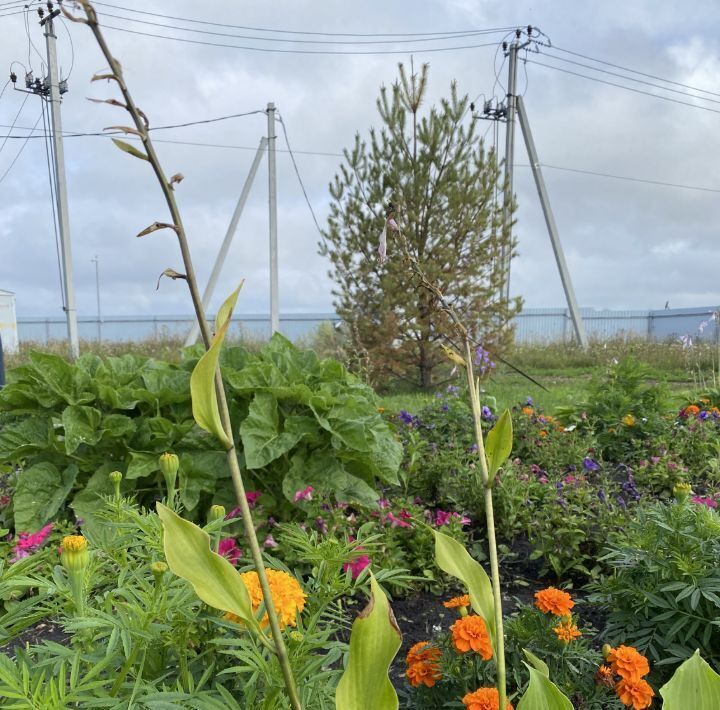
(298, 32)
(31, 43)
(7, 83)
(630, 78)
(14, 160)
(621, 86)
(297, 173)
(72, 47)
(635, 71)
(414, 50)
(17, 115)
(300, 41)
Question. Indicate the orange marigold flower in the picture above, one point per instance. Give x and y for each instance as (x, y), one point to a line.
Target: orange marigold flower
(691, 410)
(567, 631)
(628, 662)
(287, 595)
(554, 601)
(484, 699)
(528, 410)
(636, 694)
(470, 632)
(543, 432)
(605, 676)
(422, 652)
(423, 674)
(457, 602)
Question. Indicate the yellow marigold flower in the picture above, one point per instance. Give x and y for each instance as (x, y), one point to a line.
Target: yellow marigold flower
(628, 663)
(628, 420)
(74, 555)
(381, 410)
(457, 602)
(636, 694)
(682, 491)
(484, 699)
(74, 543)
(567, 631)
(554, 601)
(287, 595)
(470, 633)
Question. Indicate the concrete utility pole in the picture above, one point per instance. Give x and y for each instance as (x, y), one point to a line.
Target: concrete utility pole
(506, 254)
(96, 260)
(232, 227)
(62, 201)
(272, 186)
(577, 320)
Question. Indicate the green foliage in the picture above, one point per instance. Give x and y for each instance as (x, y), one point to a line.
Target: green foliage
(301, 421)
(694, 684)
(664, 591)
(374, 641)
(432, 165)
(499, 443)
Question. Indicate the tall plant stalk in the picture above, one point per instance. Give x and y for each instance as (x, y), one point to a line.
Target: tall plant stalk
(141, 130)
(485, 481)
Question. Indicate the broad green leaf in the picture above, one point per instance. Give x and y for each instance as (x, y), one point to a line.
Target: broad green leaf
(693, 685)
(142, 464)
(89, 500)
(539, 664)
(499, 443)
(40, 491)
(262, 439)
(127, 148)
(202, 380)
(27, 436)
(195, 479)
(542, 693)
(453, 558)
(215, 580)
(374, 641)
(81, 425)
(71, 385)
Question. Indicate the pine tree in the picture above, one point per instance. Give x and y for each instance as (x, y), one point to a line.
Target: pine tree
(436, 172)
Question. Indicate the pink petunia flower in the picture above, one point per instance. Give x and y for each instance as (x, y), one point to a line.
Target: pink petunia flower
(27, 543)
(396, 522)
(357, 566)
(705, 500)
(252, 497)
(229, 549)
(270, 542)
(304, 494)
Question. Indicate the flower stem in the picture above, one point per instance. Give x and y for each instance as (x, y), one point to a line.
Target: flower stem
(490, 522)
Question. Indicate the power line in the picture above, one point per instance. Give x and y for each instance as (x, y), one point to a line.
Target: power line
(17, 115)
(297, 173)
(14, 160)
(414, 50)
(621, 86)
(630, 78)
(635, 71)
(473, 33)
(300, 32)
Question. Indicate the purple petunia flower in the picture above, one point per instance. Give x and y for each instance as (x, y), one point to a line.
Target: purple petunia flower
(405, 417)
(590, 465)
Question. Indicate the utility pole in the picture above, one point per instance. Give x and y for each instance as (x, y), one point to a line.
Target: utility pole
(506, 253)
(577, 320)
(232, 227)
(272, 186)
(53, 88)
(97, 296)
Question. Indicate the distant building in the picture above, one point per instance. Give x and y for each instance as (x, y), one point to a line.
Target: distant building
(8, 322)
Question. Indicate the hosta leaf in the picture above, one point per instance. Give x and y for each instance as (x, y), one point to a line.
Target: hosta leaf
(453, 558)
(374, 641)
(215, 580)
(542, 693)
(202, 380)
(693, 685)
(499, 443)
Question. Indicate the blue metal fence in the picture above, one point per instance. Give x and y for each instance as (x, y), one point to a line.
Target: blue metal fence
(533, 325)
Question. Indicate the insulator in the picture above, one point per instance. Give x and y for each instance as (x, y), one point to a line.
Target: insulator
(13, 77)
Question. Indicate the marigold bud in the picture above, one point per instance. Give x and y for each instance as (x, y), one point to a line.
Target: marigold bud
(169, 465)
(296, 636)
(158, 569)
(115, 478)
(217, 512)
(74, 555)
(682, 491)
(606, 650)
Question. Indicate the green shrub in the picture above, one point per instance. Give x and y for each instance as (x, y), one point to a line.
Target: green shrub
(663, 594)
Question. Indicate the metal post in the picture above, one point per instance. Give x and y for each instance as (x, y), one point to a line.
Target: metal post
(62, 203)
(272, 186)
(232, 227)
(97, 296)
(552, 227)
(506, 253)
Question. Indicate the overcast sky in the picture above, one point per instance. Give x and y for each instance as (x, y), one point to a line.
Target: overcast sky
(627, 244)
